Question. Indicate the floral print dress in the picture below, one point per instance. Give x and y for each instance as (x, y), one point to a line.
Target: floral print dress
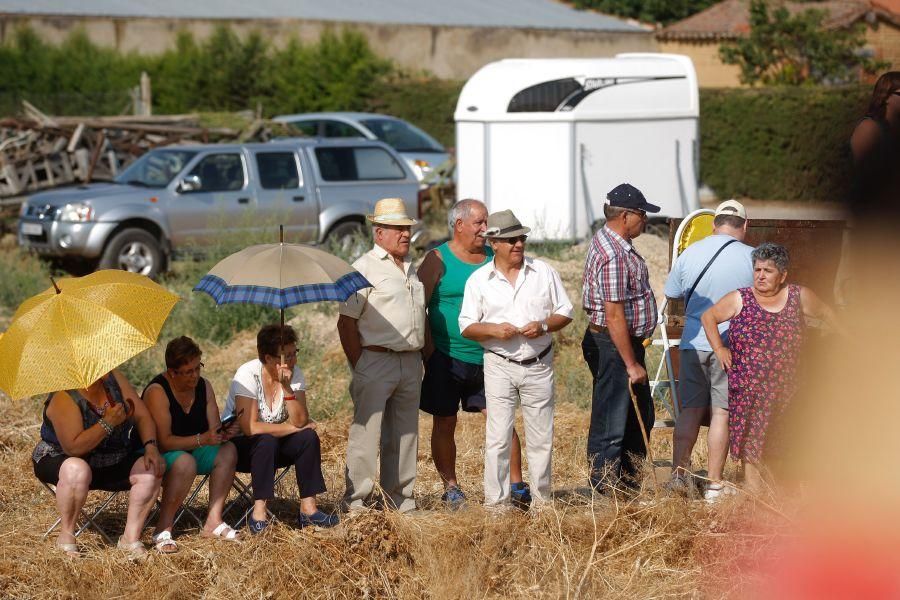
(762, 379)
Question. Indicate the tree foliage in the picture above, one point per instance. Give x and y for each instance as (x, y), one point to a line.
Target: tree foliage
(797, 49)
(649, 11)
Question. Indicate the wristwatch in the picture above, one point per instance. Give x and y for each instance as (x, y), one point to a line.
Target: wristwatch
(544, 327)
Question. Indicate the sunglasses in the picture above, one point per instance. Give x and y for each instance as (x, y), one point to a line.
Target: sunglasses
(642, 215)
(511, 241)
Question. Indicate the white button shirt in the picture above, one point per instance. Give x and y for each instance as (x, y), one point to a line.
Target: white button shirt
(537, 294)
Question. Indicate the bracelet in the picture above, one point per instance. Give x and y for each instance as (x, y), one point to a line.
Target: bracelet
(289, 398)
(198, 440)
(106, 426)
(151, 442)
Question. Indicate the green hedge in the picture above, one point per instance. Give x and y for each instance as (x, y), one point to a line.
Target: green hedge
(783, 143)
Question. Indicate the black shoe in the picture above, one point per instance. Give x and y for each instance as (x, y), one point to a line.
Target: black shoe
(318, 519)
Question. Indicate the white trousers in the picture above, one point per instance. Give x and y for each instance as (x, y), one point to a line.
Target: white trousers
(505, 383)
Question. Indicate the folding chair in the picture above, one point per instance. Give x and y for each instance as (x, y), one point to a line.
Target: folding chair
(89, 520)
(663, 387)
(186, 507)
(245, 495)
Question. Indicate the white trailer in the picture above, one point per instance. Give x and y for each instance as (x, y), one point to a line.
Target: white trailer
(549, 138)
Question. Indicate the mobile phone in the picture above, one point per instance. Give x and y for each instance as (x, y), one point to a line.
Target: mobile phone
(227, 421)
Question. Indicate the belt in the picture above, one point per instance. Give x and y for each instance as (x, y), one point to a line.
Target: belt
(383, 349)
(604, 329)
(527, 361)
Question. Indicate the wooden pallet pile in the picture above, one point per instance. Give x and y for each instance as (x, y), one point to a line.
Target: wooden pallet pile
(38, 151)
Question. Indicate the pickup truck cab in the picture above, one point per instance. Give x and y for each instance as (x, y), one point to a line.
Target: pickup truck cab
(178, 197)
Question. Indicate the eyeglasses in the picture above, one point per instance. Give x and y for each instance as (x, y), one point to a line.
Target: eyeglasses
(287, 356)
(642, 215)
(512, 241)
(189, 372)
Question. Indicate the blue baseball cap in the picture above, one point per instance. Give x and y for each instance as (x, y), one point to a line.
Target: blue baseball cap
(626, 195)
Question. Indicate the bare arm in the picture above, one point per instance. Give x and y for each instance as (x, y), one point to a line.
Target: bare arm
(430, 272)
(158, 405)
(814, 307)
(725, 309)
(250, 423)
(67, 423)
(864, 139)
(621, 338)
(348, 331)
(555, 322)
(480, 332)
(298, 411)
(144, 424)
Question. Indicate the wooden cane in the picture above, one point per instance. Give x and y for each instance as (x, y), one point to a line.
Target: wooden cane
(637, 411)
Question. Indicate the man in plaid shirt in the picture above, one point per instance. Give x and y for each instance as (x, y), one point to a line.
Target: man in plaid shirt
(622, 313)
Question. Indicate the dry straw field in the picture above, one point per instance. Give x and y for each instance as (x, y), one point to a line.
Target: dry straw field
(652, 546)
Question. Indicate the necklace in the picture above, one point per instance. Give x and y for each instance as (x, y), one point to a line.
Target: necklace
(108, 402)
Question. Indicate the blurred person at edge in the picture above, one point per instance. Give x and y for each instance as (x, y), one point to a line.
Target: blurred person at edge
(454, 365)
(875, 144)
(87, 443)
(701, 275)
(766, 332)
(511, 306)
(382, 331)
(183, 405)
(622, 312)
(268, 396)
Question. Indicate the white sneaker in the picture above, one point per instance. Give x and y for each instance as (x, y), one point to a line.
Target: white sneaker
(718, 491)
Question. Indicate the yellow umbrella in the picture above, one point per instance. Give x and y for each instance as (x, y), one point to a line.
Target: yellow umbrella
(78, 330)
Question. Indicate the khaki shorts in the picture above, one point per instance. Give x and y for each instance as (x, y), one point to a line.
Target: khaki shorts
(701, 380)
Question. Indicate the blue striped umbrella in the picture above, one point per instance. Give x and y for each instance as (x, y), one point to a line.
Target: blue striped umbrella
(281, 275)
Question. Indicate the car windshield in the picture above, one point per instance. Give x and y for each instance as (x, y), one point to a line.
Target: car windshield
(402, 136)
(156, 168)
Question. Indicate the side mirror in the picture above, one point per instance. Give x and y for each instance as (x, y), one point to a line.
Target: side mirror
(191, 183)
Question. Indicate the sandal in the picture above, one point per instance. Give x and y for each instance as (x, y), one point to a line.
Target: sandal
(222, 532)
(135, 550)
(164, 543)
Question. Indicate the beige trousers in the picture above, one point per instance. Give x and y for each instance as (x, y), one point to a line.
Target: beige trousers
(385, 390)
(505, 383)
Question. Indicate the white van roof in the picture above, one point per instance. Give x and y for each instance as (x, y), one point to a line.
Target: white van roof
(569, 89)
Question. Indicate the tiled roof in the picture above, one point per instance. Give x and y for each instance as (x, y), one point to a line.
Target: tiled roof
(529, 14)
(731, 19)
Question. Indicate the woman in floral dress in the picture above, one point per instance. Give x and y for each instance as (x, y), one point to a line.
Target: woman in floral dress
(765, 335)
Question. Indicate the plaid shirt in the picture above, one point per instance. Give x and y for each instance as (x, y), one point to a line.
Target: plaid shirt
(615, 272)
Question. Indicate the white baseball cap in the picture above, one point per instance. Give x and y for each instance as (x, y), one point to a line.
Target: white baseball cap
(733, 208)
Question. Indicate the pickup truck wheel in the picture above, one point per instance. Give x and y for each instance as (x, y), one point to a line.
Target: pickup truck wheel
(349, 240)
(133, 250)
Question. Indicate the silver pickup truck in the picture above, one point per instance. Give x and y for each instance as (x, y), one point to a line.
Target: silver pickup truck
(181, 197)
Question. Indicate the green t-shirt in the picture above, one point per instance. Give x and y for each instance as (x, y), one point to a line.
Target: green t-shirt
(445, 304)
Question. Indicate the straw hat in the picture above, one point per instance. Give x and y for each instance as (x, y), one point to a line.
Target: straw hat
(391, 211)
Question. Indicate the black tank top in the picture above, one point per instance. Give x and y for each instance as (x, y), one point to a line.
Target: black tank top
(185, 424)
